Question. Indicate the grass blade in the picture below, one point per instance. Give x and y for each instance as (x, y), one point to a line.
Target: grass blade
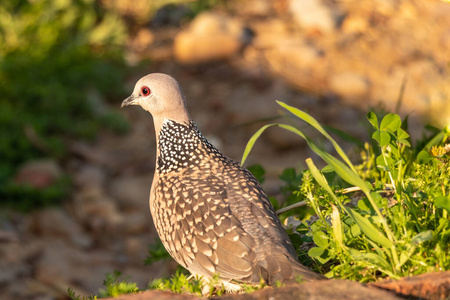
(313, 122)
(252, 141)
(371, 231)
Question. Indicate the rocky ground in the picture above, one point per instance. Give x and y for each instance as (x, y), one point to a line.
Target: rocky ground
(333, 59)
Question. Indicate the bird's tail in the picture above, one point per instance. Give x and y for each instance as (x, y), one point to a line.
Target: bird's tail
(301, 273)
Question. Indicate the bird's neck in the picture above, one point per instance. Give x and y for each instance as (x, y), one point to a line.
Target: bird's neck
(178, 145)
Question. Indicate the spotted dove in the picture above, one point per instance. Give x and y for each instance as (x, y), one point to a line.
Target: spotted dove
(211, 214)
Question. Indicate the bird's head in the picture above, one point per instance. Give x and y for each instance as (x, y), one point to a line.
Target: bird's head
(161, 95)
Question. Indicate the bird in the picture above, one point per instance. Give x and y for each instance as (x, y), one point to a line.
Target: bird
(211, 214)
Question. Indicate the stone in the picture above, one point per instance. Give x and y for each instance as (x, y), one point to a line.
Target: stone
(56, 222)
(143, 40)
(154, 294)
(312, 15)
(89, 175)
(38, 173)
(137, 222)
(14, 260)
(355, 24)
(97, 210)
(131, 191)
(210, 37)
(170, 15)
(350, 86)
(435, 285)
(319, 290)
(254, 8)
(61, 266)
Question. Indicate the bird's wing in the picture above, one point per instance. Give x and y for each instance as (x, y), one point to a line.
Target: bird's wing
(202, 233)
(222, 222)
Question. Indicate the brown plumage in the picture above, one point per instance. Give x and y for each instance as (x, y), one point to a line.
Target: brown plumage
(211, 214)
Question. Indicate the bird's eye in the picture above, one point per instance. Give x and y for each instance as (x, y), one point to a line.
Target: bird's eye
(145, 91)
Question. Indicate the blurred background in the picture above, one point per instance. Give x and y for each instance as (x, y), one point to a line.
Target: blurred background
(75, 171)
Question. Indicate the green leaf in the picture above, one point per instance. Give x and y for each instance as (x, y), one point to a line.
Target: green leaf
(354, 230)
(401, 134)
(391, 122)
(442, 202)
(315, 252)
(363, 206)
(422, 237)
(382, 137)
(372, 117)
(372, 258)
(377, 198)
(318, 176)
(320, 254)
(369, 230)
(381, 163)
(321, 239)
(424, 157)
(438, 138)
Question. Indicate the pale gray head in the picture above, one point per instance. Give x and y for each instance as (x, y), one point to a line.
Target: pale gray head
(161, 95)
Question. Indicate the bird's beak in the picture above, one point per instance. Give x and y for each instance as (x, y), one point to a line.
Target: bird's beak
(132, 100)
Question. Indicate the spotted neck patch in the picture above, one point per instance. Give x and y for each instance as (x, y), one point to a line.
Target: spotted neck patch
(181, 146)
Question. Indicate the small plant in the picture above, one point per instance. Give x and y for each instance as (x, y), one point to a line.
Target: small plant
(74, 296)
(393, 220)
(181, 283)
(114, 287)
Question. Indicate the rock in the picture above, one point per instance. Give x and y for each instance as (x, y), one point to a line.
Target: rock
(350, 86)
(355, 24)
(143, 40)
(268, 33)
(132, 191)
(434, 285)
(153, 294)
(97, 211)
(89, 176)
(254, 8)
(299, 55)
(245, 103)
(38, 173)
(312, 15)
(209, 37)
(170, 14)
(55, 222)
(136, 249)
(62, 266)
(299, 63)
(318, 290)
(137, 222)
(32, 289)
(14, 263)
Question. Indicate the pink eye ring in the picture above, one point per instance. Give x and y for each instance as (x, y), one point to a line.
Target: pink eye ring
(145, 91)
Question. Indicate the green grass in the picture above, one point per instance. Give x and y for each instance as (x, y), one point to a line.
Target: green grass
(393, 221)
(57, 58)
(113, 288)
